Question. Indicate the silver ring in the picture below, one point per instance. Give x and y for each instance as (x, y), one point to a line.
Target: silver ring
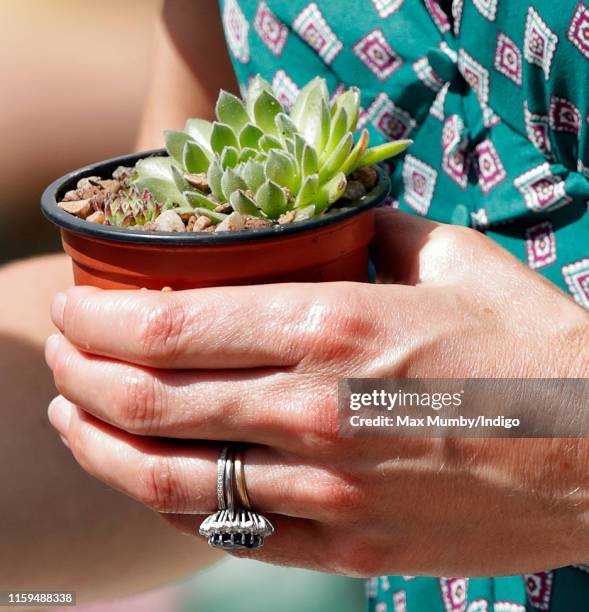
(233, 529)
(221, 503)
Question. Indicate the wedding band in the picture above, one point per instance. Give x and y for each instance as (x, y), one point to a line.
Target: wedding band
(234, 528)
(229, 497)
(221, 462)
(240, 479)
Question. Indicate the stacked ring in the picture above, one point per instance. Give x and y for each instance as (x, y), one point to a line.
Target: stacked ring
(234, 528)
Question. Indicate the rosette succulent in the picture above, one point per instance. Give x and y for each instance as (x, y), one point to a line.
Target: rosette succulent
(256, 161)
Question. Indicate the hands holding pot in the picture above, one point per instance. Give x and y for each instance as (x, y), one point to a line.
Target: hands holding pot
(151, 384)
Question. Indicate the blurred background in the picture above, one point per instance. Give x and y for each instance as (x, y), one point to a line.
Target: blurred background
(74, 74)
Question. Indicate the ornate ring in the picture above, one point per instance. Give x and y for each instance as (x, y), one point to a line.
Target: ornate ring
(234, 528)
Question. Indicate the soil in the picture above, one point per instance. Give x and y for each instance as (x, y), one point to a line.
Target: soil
(87, 201)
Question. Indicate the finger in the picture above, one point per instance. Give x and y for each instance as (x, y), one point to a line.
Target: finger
(227, 327)
(295, 542)
(180, 477)
(397, 243)
(309, 544)
(258, 405)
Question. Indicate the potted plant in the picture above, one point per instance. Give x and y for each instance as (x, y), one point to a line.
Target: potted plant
(257, 196)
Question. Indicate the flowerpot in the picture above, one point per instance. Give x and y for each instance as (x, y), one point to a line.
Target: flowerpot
(333, 247)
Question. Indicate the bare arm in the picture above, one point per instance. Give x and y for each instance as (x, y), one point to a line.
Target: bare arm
(60, 529)
(190, 66)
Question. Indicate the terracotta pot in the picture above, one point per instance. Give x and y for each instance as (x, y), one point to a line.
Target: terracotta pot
(331, 248)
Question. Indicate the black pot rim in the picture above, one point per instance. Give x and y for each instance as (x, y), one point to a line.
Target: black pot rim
(105, 168)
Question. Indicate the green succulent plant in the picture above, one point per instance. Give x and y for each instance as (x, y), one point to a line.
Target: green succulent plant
(261, 160)
(130, 207)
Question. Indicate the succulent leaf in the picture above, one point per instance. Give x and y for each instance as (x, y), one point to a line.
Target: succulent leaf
(201, 131)
(336, 160)
(250, 135)
(268, 142)
(310, 162)
(215, 217)
(247, 154)
(253, 174)
(374, 155)
(315, 128)
(339, 128)
(256, 87)
(266, 107)
(175, 142)
(285, 126)
(316, 90)
(222, 136)
(229, 110)
(214, 176)
(281, 168)
(271, 199)
(356, 153)
(243, 204)
(194, 158)
(303, 214)
(330, 192)
(155, 167)
(197, 199)
(163, 190)
(308, 191)
(350, 102)
(181, 183)
(231, 181)
(229, 157)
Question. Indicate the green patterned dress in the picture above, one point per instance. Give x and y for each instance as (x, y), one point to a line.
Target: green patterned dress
(495, 94)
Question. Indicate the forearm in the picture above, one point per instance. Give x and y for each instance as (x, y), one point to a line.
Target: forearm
(190, 65)
(60, 528)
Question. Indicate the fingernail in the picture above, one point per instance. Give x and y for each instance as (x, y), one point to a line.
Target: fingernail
(51, 349)
(57, 308)
(60, 413)
(64, 440)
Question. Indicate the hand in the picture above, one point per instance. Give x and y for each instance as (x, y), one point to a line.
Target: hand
(150, 381)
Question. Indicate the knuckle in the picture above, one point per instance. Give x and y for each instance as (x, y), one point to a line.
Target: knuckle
(140, 408)
(336, 325)
(320, 426)
(160, 329)
(159, 487)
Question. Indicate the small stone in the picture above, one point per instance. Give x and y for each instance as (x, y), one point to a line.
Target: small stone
(88, 181)
(368, 176)
(79, 208)
(110, 185)
(169, 221)
(96, 217)
(199, 181)
(70, 196)
(287, 217)
(354, 190)
(185, 216)
(256, 222)
(209, 229)
(202, 223)
(223, 208)
(233, 223)
(190, 223)
(149, 226)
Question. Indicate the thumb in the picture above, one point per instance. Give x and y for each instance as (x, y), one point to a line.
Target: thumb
(397, 244)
